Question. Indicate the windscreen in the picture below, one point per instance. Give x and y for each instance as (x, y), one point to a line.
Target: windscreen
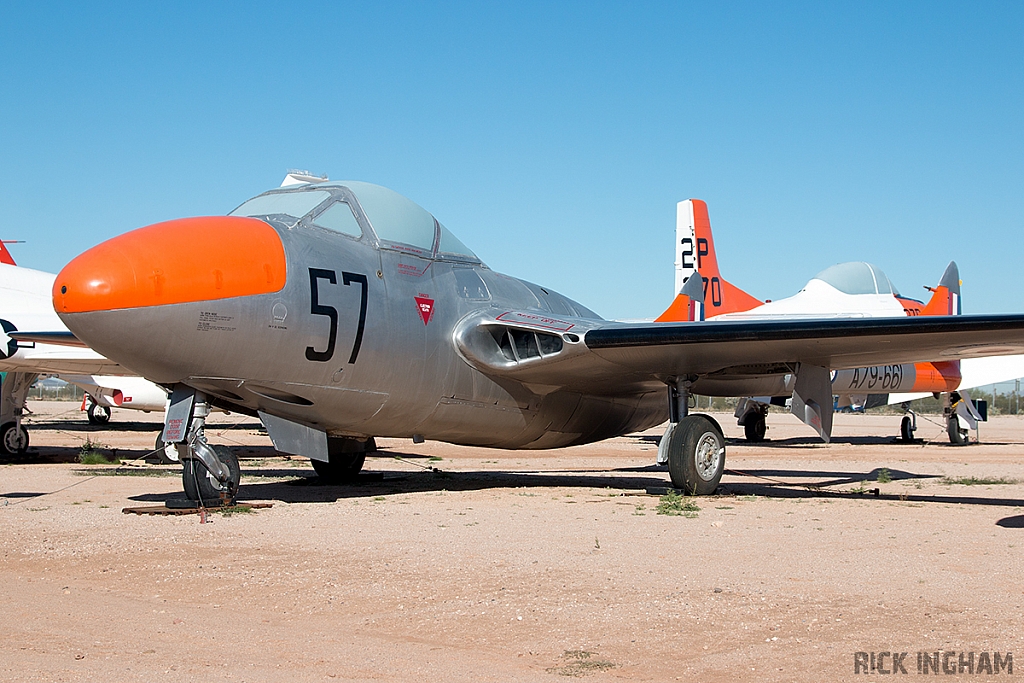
(295, 204)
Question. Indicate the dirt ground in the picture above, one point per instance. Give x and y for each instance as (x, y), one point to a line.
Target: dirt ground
(463, 564)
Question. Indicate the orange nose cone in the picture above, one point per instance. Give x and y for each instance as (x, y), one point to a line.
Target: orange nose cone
(191, 259)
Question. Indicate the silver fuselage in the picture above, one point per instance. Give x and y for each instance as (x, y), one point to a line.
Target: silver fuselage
(272, 352)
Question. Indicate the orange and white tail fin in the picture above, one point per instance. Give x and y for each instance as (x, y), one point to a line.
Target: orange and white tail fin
(5, 256)
(695, 251)
(688, 306)
(946, 296)
(945, 299)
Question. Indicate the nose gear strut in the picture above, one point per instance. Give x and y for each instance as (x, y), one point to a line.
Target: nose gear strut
(210, 474)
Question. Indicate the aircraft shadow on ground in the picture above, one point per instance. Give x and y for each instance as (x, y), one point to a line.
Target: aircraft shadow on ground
(306, 487)
(51, 455)
(301, 485)
(809, 441)
(135, 427)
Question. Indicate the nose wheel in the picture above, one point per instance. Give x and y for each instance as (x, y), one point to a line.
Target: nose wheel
(210, 474)
(201, 485)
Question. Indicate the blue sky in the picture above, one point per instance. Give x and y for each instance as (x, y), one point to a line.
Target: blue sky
(553, 138)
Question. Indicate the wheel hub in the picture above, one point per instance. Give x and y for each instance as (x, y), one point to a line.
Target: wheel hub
(707, 456)
(13, 440)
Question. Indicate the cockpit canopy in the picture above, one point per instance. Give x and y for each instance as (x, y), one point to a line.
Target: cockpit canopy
(857, 277)
(359, 209)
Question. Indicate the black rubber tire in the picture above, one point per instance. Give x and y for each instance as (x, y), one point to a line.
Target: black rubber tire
(754, 428)
(11, 442)
(906, 429)
(957, 436)
(343, 468)
(97, 414)
(346, 460)
(159, 447)
(200, 485)
(696, 456)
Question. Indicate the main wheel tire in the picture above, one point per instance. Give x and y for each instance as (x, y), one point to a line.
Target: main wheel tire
(13, 441)
(346, 458)
(907, 429)
(754, 428)
(957, 436)
(97, 414)
(696, 456)
(200, 485)
(342, 468)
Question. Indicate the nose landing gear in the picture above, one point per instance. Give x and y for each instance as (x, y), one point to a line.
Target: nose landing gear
(210, 474)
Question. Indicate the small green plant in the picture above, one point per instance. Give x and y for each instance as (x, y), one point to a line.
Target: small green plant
(579, 663)
(126, 472)
(675, 505)
(234, 510)
(978, 481)
(435, 458)
(884, 476)
(92, 455)
(639, 512)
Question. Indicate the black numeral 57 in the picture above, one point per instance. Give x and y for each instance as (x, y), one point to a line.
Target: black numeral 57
(317, 308)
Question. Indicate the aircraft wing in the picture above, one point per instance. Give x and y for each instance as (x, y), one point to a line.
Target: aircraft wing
(49, 358)
(680, 349)
(629, 354)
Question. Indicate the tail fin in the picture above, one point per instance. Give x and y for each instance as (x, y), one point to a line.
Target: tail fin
(946, 296)
(5, 256)
(688, 306)
(695, 251)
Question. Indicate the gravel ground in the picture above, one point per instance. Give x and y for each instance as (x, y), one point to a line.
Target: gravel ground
(468, 564)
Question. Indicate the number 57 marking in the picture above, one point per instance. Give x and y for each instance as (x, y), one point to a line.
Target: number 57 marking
(317, 308)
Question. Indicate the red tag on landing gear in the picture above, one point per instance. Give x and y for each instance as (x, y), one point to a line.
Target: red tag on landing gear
(426, 308)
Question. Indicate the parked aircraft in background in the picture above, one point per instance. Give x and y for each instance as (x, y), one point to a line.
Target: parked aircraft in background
(351, 312)
(26, 303)
(854, 289)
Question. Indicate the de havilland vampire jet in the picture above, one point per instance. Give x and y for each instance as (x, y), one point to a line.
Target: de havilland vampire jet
(340, 311)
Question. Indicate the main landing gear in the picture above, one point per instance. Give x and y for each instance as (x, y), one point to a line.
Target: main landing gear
(959, 413)
(13, 393)
(693, 445)
(98, 414)
(752, 415)
(908, 425)
(210, 474)
(346, 459)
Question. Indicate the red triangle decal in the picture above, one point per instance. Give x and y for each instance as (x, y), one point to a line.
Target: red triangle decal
(426, 308)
